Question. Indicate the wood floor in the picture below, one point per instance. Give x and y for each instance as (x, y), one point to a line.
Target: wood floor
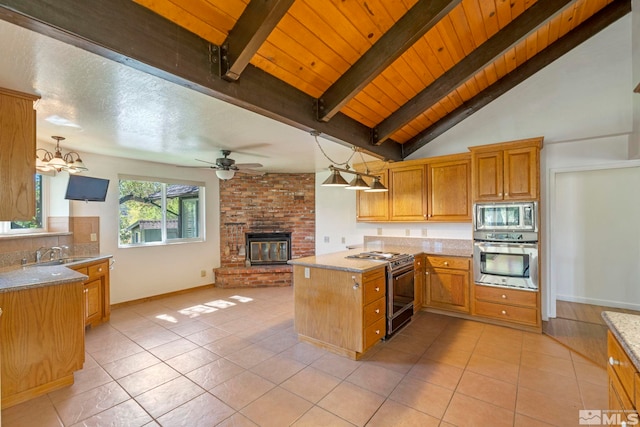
(581, 328)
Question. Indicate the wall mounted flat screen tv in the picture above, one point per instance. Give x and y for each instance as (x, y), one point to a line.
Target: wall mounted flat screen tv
(87, 188)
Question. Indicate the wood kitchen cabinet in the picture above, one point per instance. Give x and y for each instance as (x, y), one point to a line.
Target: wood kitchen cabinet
(373, 206)
(446, 283)
(408, 192)
(342, 311)
(449, 189)
(506, 171)
(508, 305)
(17, 157)
(624, 380)
(418, 281)
(97, 306)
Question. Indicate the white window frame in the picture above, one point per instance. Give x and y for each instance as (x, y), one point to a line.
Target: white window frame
(165, 182)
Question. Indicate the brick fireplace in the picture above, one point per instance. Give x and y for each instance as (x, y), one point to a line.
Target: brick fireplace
(267, 205)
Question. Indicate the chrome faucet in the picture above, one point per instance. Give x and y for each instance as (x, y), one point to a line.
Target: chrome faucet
(51, 251)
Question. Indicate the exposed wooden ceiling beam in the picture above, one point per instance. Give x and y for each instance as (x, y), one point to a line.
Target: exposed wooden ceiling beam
(133, 35)
(592, 26)
(404, 33)
(253, 27)
(485, 54)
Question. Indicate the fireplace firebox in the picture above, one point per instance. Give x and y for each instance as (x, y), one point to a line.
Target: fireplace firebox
(268, 248)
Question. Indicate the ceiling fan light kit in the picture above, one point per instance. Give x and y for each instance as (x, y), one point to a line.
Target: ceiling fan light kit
(226, 167)
(225, 174)
(70, 162)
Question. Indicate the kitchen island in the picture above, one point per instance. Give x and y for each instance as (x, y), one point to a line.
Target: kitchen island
(41, 330)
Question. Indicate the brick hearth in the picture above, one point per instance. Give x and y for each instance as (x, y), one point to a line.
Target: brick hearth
(270, 203)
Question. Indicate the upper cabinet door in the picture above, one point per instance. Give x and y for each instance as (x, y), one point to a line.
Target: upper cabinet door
(408, 193)
(373, 206)
(18, 156)
(488, 176)
(521, 168)
(449, 191)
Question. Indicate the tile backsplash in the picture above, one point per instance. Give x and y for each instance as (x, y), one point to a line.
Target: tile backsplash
(80, 236)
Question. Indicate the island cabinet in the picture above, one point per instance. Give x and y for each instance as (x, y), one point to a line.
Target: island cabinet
(508, 305)
(341, 311)
(449, 189)
(408, 192)
(373, 206)
(506, 171)
(42, 336)
(97, 307)
(446, 283)
(18, 154)
(624, 381)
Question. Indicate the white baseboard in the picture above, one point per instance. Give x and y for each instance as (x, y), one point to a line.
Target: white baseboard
(594, 301)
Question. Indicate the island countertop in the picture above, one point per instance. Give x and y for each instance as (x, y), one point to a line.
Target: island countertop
(626, 328)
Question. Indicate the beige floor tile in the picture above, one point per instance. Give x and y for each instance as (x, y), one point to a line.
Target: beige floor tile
(393, 413)
(551, 410)
(187, 328)
(250, 356)
(128, 413)
(242, 389)
(524, 421)
(148, 378)
(539, 343)
(277, 407)
(338, 366)
(311, 384)
(117, 350)
(393, 359)
(318, 417)
(237, 420)
(36, 412)
(84, 380)
(168, 396)
(304, 353)
(152, 336)
(594, 396)
(444, 354)
(352, 403)
(552, 364)
(469, 412)
(227, 345)
(375, 378)
(207, 336)
(436, 373)
(173, 348)
(587, 371)
(202, 411)
(89, 403)
(425, 397)
(409, 343)
(215, 373)
(496, 392)
(279, 341)
(494, 368)
(551, 384)
(278, 368)
(499, 349)
(129, 365)
(191, 360)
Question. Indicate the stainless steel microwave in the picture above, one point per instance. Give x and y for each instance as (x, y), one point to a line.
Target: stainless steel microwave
(515, 216)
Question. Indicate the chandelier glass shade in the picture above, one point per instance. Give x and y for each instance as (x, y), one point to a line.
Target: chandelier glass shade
(70, 162)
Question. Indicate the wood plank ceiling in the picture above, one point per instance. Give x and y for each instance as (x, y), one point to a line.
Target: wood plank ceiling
(387, 76)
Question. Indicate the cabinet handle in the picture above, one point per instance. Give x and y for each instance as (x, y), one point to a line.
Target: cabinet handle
(613, 362)
(426, 273)
(504, 312)
(446, 263)
(377, 289)
(356, 285)
(377, 311)
(86, 290)
(100, 270)
(504, 296)
(0, 312)
(377, 331)
(500, 194)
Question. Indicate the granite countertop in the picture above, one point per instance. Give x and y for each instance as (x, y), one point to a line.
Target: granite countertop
(626, 328)
(338, 260)
(35, 275)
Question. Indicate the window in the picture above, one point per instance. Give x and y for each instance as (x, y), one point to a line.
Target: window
(34, 225)
(160, 212)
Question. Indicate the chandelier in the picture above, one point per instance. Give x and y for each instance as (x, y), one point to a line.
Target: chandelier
(70, 162)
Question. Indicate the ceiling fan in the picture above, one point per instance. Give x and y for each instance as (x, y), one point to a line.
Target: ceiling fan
(226, 167)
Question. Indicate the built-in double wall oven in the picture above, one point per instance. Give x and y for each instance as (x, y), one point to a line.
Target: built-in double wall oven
(505, 250)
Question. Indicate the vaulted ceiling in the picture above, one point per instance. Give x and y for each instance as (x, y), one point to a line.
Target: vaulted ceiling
(387, 76)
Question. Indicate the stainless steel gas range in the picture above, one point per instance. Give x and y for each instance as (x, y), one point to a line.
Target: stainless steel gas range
(400, 286)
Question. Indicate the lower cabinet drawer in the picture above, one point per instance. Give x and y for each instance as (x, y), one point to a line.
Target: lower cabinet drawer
(374, 311)
(374, 333)
(97, 270)
(620, 364)
(509, 313)
(506, 296)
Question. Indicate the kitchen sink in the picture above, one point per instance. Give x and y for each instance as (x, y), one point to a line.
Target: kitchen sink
(62, 261)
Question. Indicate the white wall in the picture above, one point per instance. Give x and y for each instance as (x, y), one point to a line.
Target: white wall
(152, 270)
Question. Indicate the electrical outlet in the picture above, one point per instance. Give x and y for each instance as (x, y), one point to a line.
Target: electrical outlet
(93, 237)
(424, 232)
(307, 273)
(344, 240)
(326, 239)
(203, 273)
(407, 232)
(379, 231)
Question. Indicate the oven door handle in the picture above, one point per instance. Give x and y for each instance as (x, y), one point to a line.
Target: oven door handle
(485, 245)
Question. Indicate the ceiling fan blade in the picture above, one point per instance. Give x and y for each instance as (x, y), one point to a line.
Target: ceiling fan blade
(204, 161)
(247, 165)
(250, 172)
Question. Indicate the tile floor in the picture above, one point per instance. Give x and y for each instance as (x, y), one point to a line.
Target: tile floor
(230, 357)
